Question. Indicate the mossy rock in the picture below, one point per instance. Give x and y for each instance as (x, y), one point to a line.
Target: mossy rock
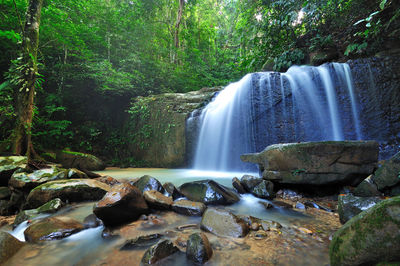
(8, 165)
(47, 208)
(27, 181)
(83, 161)
(71, 190)
(369, 238)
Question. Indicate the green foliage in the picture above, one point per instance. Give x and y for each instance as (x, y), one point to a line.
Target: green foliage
(287, 59)
(320, 42)
(7, 114)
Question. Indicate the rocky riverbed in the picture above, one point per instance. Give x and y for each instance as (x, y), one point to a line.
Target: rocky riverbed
(294, 217)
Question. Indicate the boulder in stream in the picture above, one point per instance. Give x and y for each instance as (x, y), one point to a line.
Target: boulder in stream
(71, 190)
(47, 208)
(9, 245)
(238, 186)
(159, 251)
(157, 200)
(198, 248)
(187, 207)
(367, 188)
(52, 228)
(369, 238)
(172, 191)
(317, 163)
(147, 182)
(264, 190)
(123, 203)
(209, 192)
(223, 223)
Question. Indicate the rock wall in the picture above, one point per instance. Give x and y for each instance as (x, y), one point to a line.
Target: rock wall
(172, 141)
(164, 142)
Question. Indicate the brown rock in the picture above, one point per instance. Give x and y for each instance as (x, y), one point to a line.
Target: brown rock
(123, 203)
(9, 245)
(157, 200)
(52, 228)
(188, 207)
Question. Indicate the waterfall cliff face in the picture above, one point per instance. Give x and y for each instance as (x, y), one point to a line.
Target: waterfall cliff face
(306, 103)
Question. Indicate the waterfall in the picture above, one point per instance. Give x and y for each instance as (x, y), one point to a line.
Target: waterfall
(304, 104)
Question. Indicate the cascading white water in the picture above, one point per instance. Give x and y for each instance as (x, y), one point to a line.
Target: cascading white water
(304, 104)
(225, 120)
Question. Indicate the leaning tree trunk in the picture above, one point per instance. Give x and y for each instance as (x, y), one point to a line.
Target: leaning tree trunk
(27, 71)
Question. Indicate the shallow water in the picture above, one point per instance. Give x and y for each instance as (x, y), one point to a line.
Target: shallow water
(176, 176)
(283, 247)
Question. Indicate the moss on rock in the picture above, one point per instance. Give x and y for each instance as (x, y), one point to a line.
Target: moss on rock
(371, 237)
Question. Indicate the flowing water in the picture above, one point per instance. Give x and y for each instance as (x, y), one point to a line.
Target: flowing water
(304, 104)
(89, 248)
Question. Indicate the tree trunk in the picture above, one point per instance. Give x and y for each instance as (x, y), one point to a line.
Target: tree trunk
(22, 143)
(177, 24)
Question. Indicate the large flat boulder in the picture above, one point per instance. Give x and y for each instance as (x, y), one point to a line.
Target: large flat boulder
(369, 238)
(317, 163)
(209, 192)
(123, 203)
(70, 190)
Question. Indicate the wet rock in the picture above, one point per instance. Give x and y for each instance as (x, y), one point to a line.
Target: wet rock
(16, 202)
(187, 207)
(238, 186)
(123, 203)
(349, 205)
(267, 225)
(317, 163)
(5, 193)
(172, 191)
(223, 223)
(289, 194)
(388, 174)
(158, 252)
(264, 190)
(8, 165)
(157, 200)
(198, 248)
(91, 221)
(82, 161)
(369, 238)
(249, 182)
(209, 192)
(71, 190)
(300, 206)
(9, 245)
(141, 241)
(108, 180)
(49, 207)
(367, 188)
(52, 228)
(147, 182)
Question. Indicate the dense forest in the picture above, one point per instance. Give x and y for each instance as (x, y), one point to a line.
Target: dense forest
(95, 57)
